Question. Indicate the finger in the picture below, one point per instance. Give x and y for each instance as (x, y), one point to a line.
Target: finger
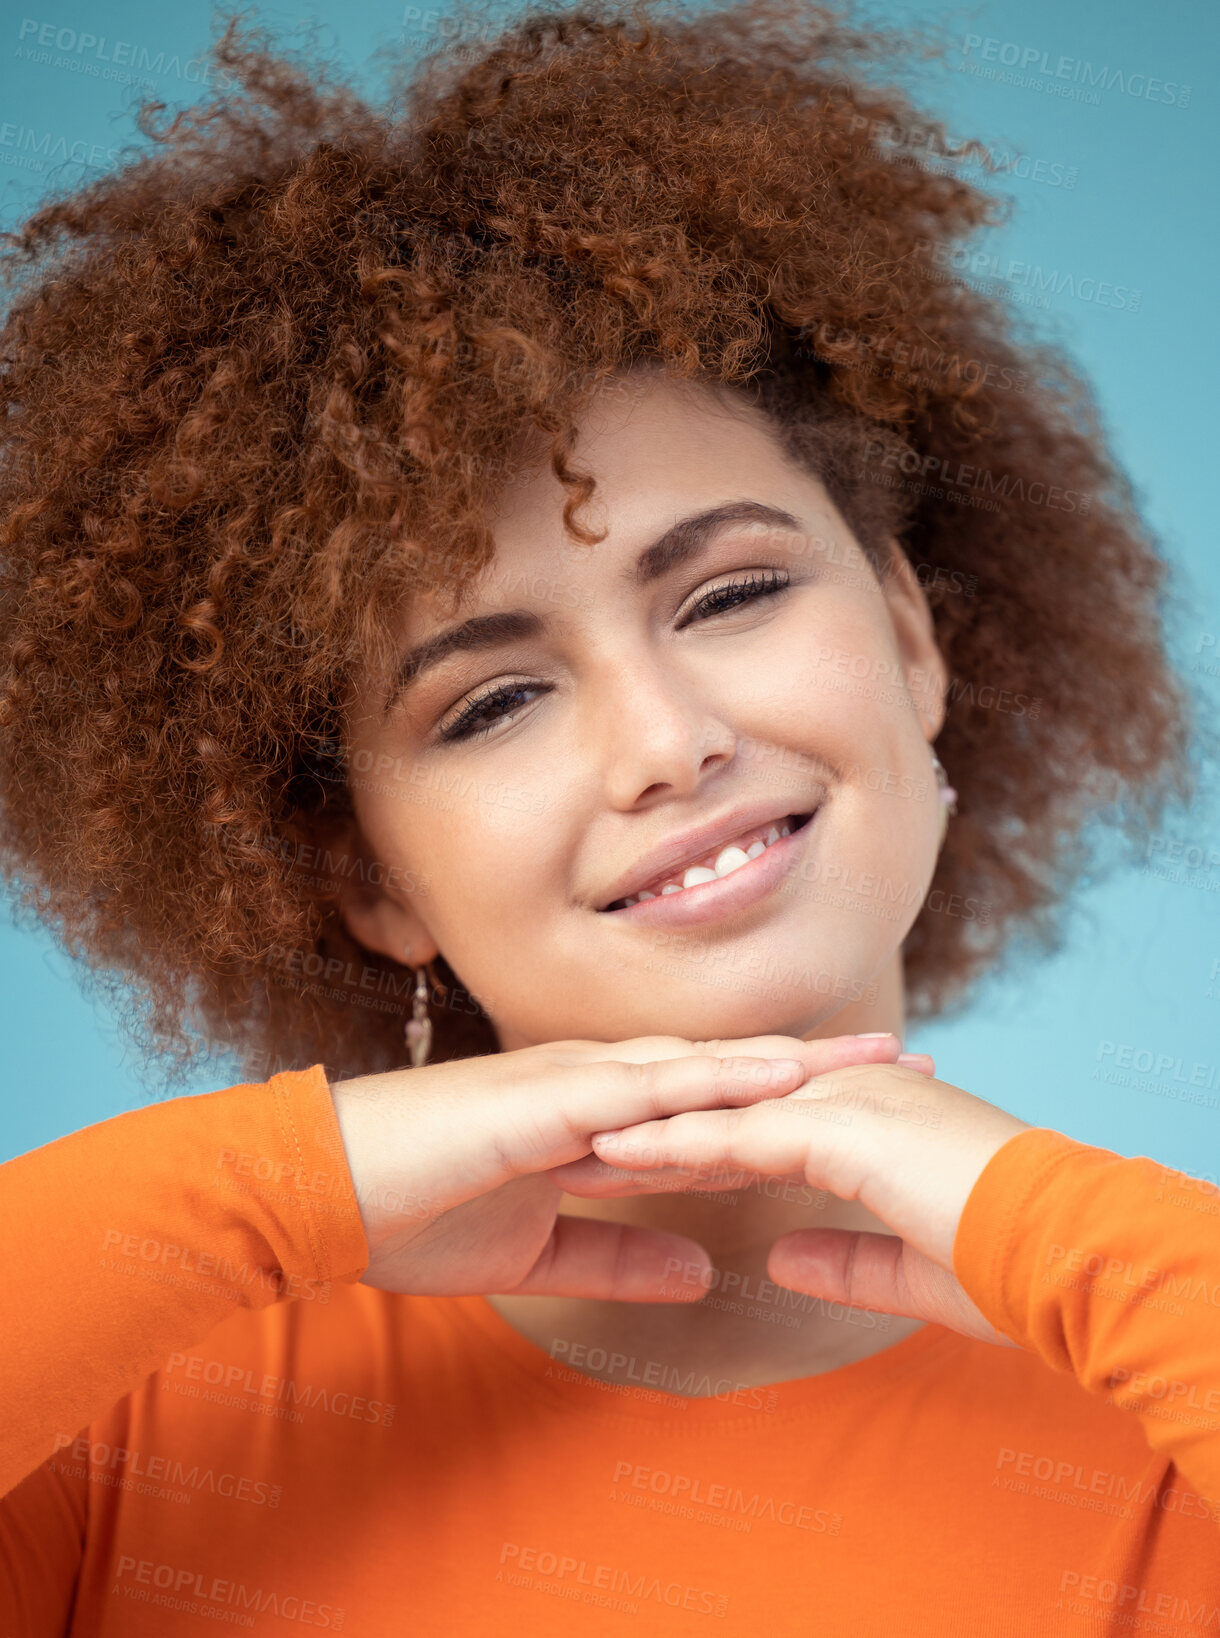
(878, 1272)
(545, 1126)
(616, 1093)
(655, 1089)
(617, 1262)
(539, 1124)
(781, 1136)
(540, 1118)
(818, 1056)
(591, 1179)
(774, 1140)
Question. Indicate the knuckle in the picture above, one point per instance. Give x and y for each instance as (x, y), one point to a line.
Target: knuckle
(648, 1079)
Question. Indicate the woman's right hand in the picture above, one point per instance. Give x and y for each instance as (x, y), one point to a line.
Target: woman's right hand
(450, 1161)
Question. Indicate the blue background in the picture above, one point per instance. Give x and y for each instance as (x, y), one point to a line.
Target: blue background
(1140, 969)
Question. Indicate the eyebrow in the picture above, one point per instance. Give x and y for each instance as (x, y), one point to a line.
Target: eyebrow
(680, 544)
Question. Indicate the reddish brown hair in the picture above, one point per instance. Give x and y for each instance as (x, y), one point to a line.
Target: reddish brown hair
(261, 382)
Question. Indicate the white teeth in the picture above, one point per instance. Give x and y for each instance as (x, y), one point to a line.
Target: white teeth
(728, 860)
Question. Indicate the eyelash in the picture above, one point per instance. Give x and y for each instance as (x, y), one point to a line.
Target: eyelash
(759, 583)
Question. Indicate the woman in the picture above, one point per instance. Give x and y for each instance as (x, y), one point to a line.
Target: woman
(538, 543)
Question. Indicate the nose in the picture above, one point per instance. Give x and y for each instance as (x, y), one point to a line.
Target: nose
(661, 731)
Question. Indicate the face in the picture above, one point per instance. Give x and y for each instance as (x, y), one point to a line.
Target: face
(663, 701)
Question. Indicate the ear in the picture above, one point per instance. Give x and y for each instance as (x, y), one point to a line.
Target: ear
(376, 904)
(926, 672)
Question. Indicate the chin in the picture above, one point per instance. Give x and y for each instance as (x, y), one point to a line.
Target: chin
(787, 980)
(704, 1010)
(737, 1018)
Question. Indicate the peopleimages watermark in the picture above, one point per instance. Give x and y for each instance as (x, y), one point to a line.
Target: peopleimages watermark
(1073, 77)
(336, 975)
(894, 357)
(1088, 1591)
(767, 1296)
(566, 1575)
(418, 781)
(958, 474)
(633, 1375)
(927, 144)
(233, 1382)
(29, 149)
(1020, 280)
(146, 1257)
(1139, 1385)
(1068, 1483)
(195, 1592)
(272, 1178)
(159, 1474)
(1118, 1279)
(319, 865)
(101, 58)
(1184, 862)
(1209, 668)
(757, 973)
(1158, 1064)
(715, 1502)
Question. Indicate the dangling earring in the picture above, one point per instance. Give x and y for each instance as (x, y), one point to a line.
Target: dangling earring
(948, 796)
(418, 1028)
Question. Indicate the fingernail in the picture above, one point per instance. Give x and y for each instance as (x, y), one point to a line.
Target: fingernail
(782, 1068)
(874, 1035)
(916, 1058)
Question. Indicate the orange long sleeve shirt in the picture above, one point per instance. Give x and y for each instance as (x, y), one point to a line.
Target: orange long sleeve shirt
(208, 1421)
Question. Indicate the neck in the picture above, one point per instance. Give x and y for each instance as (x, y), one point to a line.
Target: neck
(746, 1329)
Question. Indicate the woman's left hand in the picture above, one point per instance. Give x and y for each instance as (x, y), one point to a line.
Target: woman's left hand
(908, 1147)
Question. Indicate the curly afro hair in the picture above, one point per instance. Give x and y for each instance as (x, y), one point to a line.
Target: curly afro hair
(262, 380)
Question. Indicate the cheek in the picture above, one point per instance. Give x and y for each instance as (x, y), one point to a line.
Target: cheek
(835, 686)
(488, 861)
(837, 698)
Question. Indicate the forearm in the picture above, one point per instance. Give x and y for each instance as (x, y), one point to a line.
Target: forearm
(137, 1236)
(1094, 1261)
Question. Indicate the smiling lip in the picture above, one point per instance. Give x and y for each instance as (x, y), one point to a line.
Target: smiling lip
(711, 901)
(692, 845)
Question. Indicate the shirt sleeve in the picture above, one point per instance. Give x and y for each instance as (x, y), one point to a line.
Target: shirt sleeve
(1107, 1267)
(42, 1540)
(134, 1238)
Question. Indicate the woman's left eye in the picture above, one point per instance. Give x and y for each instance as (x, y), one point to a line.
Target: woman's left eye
(734, 593)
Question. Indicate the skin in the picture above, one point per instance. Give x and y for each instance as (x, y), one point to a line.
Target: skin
(636, 721)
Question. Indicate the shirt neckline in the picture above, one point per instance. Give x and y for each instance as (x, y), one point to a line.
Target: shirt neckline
(754, 1408)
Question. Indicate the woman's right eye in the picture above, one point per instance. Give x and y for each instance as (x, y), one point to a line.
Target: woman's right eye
(481, 714)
